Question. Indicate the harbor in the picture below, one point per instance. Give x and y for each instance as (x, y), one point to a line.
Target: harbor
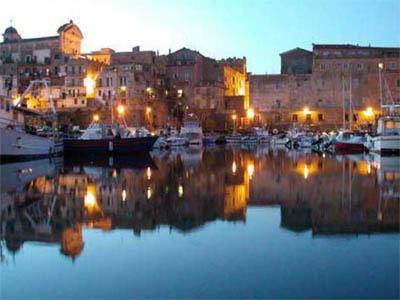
(278, 215)
(200, 149)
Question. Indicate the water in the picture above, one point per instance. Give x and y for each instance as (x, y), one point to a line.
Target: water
(254, 223)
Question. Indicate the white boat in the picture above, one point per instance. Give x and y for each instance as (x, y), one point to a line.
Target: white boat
(192, 131)
(177, 141)
(17, 144)
(279, 140)
(234, 138)
(387, 139)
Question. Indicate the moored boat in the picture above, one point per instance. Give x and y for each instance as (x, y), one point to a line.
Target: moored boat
(106, 139)
(387, 140)
(348, 142)
(17, 144)
(192, 131)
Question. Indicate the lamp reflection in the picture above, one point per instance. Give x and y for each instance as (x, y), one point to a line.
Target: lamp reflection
(148, 173)
(234, 168)
(250, 170)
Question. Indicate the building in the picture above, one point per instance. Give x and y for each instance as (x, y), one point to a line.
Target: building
(296, 61)
(342, 90)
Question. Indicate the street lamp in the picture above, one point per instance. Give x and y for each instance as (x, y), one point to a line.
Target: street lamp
(148, 109)
(89, 84)
(369, 112)
(306, 111)
(250, 113)
(96, 118)
(234, 117)
(121, 109)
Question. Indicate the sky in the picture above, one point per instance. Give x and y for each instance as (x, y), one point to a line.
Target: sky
(257, 29)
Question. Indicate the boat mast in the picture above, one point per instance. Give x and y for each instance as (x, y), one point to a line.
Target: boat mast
(380, 67)
(350, 100)
(343, 104)
(112, 110)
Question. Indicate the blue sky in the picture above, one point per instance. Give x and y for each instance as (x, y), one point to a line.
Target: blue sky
(257, 29)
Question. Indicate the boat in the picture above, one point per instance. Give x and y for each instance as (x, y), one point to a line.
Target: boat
(387, 139)
(192, 131)
(348, 142)
(101, 139)
(279, 140)
(262, 135)
(16, 143)
(234, 138)
(177, 141)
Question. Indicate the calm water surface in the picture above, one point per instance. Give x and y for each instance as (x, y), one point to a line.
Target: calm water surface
(198, 223)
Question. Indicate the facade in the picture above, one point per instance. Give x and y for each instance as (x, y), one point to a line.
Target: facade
(342, 90)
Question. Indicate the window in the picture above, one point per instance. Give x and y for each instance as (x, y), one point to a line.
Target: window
(398, 83)
(83, 102)
(319, 103)
(345, 66)
(355, 117)
(308, 118)
(179, 93)
(277, 118)
(99, 93)
(360, 66)
(392, 65)
(277, 103)
(75, 101)
(294, 118)
(293, 103)
(320, 117)
(346, 117)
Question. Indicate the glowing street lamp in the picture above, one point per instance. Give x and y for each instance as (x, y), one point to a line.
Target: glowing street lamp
(123, 88)
(380, 65)
(121, 109)
(234, 117)
(369, 112)
(89, 83)
(306, 111)
(148, 110)
(250, 113)
(96, 118)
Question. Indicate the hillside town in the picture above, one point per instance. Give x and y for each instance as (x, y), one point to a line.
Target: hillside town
(323, 89)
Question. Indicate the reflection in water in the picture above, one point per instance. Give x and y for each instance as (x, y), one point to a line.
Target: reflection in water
(186, 189)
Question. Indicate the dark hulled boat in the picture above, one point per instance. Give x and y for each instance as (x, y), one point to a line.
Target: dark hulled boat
(102, 140)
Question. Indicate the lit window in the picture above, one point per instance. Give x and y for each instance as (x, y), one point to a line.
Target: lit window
(294, 118)
(320, 117)
(179, 93)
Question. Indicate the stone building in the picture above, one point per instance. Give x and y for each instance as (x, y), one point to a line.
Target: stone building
(296, 61)
(136, 80)
(343, 88)
(205, 86)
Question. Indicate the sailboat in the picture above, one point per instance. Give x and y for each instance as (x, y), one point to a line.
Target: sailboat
(387, 138)
(347, 141)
